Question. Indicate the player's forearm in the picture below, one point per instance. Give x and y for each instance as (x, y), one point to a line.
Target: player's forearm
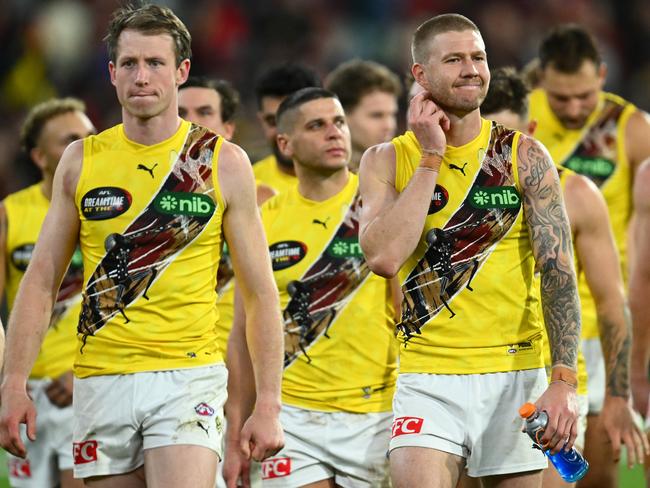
(561, 309)
(616, 342)
(241, 383)
(26, 329)
(389, 239)
(640, 308)
(264, 338)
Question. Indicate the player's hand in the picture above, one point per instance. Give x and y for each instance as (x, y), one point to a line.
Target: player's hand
(561, 405)
(428, 122)
(640, 392)
(618, 419)
(262, 435)
(59, 391)
(16, 408)
(236, 467)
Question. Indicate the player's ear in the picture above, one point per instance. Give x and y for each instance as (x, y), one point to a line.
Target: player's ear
(532, 127)
(284, 145)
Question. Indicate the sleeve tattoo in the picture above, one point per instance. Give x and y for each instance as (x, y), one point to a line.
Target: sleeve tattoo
(550, 235)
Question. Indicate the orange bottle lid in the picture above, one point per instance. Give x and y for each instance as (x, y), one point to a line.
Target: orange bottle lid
(527, 409)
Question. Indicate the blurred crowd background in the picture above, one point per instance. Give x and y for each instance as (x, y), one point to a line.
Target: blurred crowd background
(54, 48)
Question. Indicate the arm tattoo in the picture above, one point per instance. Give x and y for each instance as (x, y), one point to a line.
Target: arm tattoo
(550, 235)
(616, 349)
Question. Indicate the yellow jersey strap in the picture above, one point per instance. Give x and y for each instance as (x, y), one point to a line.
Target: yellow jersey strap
(174, 217)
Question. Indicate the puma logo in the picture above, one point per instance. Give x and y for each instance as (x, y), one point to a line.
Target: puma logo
(458, 168)
(323, 223)
(148, 170)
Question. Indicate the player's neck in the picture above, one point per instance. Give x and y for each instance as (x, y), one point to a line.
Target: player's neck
(319, 186)
(463, 129)
(357, 152)
(46, 186)
(152, 130)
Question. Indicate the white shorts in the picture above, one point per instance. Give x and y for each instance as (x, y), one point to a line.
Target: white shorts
(595, 363)
(348, 447)
(117, 417)
(474, 416)
(51, 452)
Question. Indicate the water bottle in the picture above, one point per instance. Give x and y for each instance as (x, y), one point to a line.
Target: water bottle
(571, 465)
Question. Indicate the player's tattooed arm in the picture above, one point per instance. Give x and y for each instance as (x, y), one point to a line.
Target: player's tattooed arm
(616, 349)
(550, 235)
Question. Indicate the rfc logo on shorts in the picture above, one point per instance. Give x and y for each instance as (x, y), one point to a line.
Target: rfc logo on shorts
(19, 468)
(84, 452)
(286, 253)
(276, 468)
(204, 410)
(105, 202)
(407, 425)
(439, 199)
(494, 197)
(182, 203)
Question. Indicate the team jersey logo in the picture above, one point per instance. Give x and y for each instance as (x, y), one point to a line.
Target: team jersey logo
(84, 452)
(407, 425)
(287, 253)
(494, 197)
(276, 468)
(592, 167)
(181, 203)
(104, 203)
(439, 199)
(345, 248)
(21, 256)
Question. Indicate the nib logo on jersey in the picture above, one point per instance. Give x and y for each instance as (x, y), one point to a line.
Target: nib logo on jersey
(286, 253)
(276, 468)
(105, 202)
(182, 203)
(494, 197)
(593, 167)
(345, 248)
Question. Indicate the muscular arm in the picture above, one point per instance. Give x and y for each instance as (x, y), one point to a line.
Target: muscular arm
(391, 223)
(251, 262)
(550, 235)
(598, 258)
(640, 290)
(36, 295)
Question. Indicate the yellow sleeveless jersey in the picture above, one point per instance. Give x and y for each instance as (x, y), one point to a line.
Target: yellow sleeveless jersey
(469, 304)
(267, 173)
(582, 367)
(26, 212)
(151, 239)
(340, 351)
(598, 152)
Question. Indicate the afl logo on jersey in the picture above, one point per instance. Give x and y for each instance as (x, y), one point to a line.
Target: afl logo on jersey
(104, 203)
(21, 256)
(286, 253)
(439, 199)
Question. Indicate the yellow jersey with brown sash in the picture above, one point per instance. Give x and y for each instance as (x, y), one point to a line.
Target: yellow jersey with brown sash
(340, 351)
(25, 211)
(151, 240)
(598, 152)
(469, 300)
